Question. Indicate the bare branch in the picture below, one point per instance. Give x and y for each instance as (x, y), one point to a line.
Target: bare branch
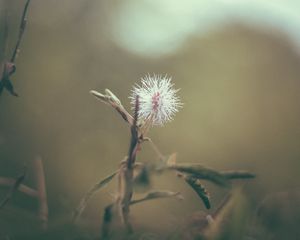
(82, 205)
(4, 181)
(13, 189)
(42, 194)
(4, 35)
(21, 32)
(156, 195)
(110, 99)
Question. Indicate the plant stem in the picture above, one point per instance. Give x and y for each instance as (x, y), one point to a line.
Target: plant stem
(126, 175)
(42, 194)
(21, 32)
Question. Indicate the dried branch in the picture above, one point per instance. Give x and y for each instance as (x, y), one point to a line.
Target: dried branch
(156, 195)
(108, 211)
(21, 32)
(110, 99)
(82, 205)
(4, 35)
(127, 173)
(9, 66)
(192, 173)
(9, 182)
(42, 194)
(13, 189)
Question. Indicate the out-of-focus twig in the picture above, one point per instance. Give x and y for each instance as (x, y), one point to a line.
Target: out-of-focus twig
(4, 35)
(82, 205)
(8, 66)
(21, 32)
(13, 189)
(9, 182)
(42, 193)
(156, 195)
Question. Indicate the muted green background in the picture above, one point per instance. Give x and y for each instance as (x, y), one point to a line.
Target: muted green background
(239, 85)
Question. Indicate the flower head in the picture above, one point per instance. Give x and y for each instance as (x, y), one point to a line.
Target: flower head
(158, 102)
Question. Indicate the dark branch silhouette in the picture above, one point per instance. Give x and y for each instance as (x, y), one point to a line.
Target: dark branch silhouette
(13, 189)
(9, 67)
(21, 32)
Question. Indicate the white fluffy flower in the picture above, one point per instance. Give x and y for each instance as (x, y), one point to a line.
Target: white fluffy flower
(157, 99)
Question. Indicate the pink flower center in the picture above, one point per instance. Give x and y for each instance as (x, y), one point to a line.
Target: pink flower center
(155, 101)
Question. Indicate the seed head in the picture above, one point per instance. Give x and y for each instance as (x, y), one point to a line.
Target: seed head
(158, 102)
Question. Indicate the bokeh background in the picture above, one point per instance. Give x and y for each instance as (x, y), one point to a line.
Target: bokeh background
(237, 64)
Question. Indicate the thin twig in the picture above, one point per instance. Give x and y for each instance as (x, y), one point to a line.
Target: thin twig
(42, 194)
(223, 204)
(21, 32)
(110, 99)
(4, 45)
(13, 189)
(82, 205)
(157, 194)
(8, 182)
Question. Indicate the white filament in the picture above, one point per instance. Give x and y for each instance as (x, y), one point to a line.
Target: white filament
(158, 101)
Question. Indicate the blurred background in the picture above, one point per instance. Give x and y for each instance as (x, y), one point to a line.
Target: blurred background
(237, 64)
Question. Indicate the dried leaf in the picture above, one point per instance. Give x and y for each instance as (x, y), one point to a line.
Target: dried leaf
(199, 189)
(158, 194)
(82, 205)
(201, 172)
(237, 174)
